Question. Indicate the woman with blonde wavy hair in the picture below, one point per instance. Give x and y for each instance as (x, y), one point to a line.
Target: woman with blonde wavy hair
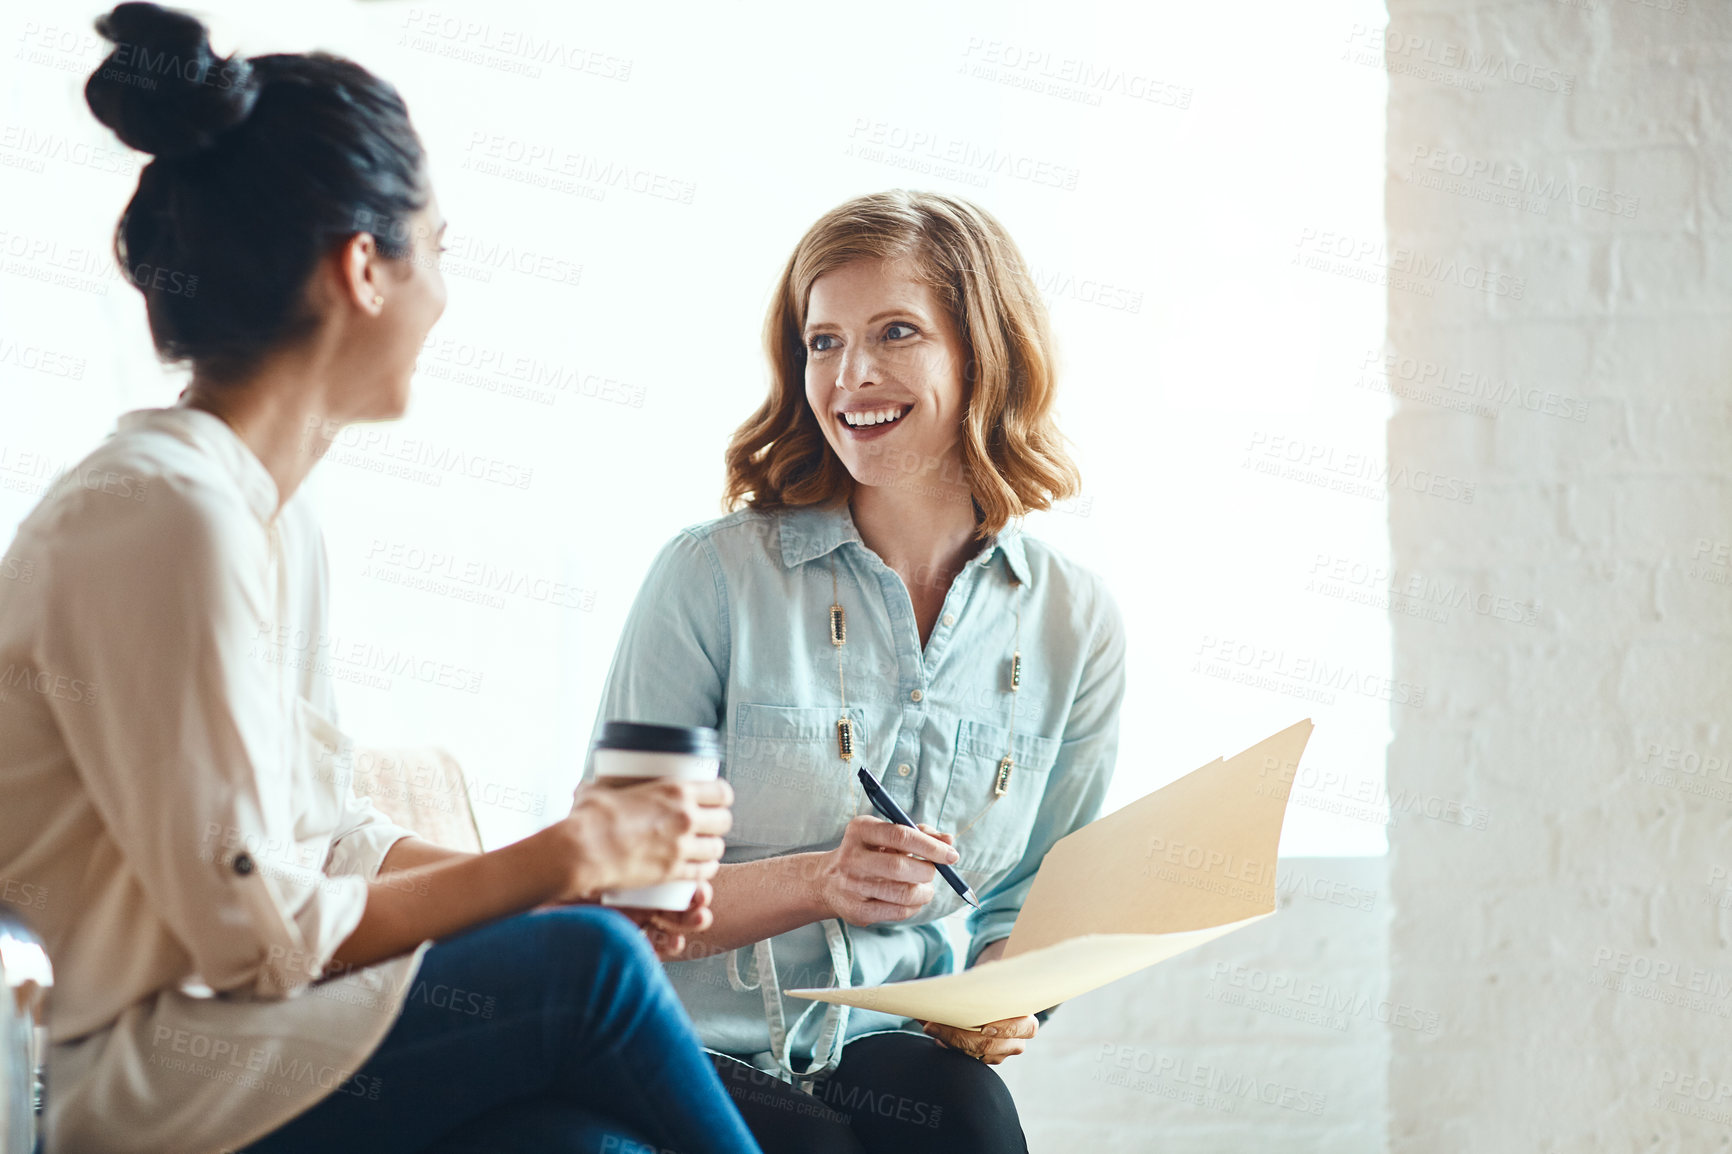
(872, 603)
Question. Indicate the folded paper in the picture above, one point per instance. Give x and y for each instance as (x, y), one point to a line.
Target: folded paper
(1182, 866)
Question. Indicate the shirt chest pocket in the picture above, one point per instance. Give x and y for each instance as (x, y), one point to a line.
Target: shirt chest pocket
(792, 790)
(1001, 825)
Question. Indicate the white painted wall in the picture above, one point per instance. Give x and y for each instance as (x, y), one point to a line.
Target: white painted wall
(1576, 949)
(1271, 1038)
(1559, 977)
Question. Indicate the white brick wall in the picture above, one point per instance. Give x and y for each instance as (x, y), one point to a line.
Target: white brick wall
(1268, 1039)
(1560, 980)
(1596, 866)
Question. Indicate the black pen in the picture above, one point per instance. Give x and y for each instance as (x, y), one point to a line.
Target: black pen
(886, 805)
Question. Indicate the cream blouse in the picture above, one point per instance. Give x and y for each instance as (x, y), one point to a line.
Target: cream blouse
(177, 817)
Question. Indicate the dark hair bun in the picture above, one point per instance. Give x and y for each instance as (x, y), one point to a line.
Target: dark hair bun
(162, 90)
(264, 165)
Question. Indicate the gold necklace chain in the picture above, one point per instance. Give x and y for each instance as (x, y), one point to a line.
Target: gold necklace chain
(845, 736)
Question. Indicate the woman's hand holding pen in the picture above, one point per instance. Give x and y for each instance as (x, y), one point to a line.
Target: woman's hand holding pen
(882, 872)
(624, 837)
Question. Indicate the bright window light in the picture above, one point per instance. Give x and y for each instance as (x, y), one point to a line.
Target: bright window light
(1197, 187)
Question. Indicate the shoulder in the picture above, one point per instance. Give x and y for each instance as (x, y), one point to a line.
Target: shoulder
(1064, 581)
(145, 493)
(749, 549)
(740, 531)
(144, 526)
(738, 543)
(697, 557)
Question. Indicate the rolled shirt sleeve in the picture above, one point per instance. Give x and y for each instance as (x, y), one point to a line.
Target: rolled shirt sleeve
(359, 848)
(1081, 774)
(194, 746)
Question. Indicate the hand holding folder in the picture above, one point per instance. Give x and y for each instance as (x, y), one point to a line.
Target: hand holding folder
(1182, 866)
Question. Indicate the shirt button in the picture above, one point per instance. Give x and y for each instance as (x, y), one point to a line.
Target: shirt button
(950, 619)
(916, 695)
(243, 864)
(904, 769)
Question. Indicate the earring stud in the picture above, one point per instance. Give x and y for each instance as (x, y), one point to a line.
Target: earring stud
(378, 300)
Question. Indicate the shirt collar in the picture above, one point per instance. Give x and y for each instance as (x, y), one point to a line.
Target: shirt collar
(212, 434)
(1009, 542)
(809, 532)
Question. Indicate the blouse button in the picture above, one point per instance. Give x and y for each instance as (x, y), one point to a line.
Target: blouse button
(243, 864)
(904, 769)
(915, 696)
(950, 619)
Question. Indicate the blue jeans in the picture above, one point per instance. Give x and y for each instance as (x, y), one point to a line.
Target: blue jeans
(586, 1049)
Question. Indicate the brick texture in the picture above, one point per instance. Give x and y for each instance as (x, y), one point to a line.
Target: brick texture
(1576, 949)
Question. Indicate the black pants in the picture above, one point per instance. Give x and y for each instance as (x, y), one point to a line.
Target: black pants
(901, 1093)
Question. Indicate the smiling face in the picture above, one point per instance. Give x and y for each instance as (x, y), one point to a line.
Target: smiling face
(381, 341)
(415, 298)
(884, 372)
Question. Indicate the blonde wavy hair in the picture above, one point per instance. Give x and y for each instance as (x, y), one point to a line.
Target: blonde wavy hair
(1013, 453)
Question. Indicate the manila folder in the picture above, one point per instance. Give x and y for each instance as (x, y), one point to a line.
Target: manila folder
(1182, 866)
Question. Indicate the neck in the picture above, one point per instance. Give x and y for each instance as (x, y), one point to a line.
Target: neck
(917, 533)
(280, 411)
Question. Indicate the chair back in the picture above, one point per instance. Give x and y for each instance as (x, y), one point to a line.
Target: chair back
(420, 788)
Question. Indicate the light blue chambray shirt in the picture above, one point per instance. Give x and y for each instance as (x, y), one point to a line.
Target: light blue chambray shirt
(731, 630)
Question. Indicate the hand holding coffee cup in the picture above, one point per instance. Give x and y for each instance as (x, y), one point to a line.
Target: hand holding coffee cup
(646, 834)
(669, 811)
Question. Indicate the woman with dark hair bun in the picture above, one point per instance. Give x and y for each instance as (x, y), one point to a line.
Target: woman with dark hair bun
(246, 954)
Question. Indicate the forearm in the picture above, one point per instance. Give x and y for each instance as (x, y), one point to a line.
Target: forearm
(447, 892)
(758, 900)
(410, 852)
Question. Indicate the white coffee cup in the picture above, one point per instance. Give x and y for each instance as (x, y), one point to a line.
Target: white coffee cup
(633, 751)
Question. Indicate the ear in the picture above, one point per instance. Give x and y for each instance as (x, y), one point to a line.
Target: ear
(358, 268)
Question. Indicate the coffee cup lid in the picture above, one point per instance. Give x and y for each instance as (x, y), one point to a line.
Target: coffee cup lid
(646, 738)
